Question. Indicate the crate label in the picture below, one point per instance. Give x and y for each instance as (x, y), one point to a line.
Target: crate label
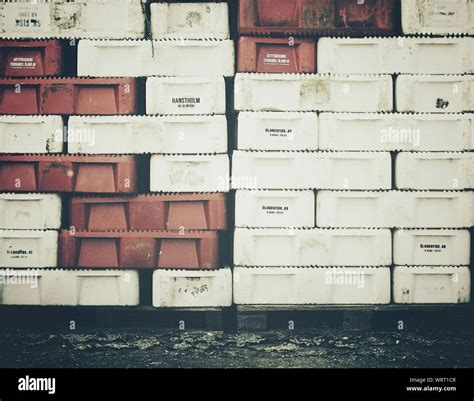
(441, 14)
(272, 210)
(432, 248)
(23, 62)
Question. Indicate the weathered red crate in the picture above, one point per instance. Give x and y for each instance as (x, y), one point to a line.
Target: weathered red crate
(139, 249)
(149, 212)
(99, 96)
(317, 16)
(30, 58)
(276, 55)
(49, 173)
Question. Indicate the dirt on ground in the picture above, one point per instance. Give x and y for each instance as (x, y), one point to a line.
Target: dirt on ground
(198, 349)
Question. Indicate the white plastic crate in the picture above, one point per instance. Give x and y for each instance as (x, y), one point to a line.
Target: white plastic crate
(396, 131)
(313, 285)
(69, 287)
(28, 248)
(309, 170)
(313, 92)
(30, 211)
(277, 131)
(312, 247)
(274, 209)
(185, 95)
(148, 134)
(192, 288)
(31, 134)
(440, 17)
(144, 58)
(194, 173)
(395, 55)
(431, 284)
(190, 20)
(435, 93)
(111, 19)
(431, 247)
(450, 171)
(407, 209)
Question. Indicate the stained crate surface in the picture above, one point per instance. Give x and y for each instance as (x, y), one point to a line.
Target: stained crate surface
(190, 20)
(396, 55)
(184, 288)
(69, 287)
(185, 95)
(432, 247)
(435, 93)
(189, 173)
(183, 57)
(148, 134)
(313, 285)
(386, 209)
(113, 19)
(139, 249)
(31, 134)
(30, 58)
(274, 209)
(30, 211)
(443, 170)
(274, 55)
(101, 174)
(313, 92)
(68, 96)
(316, 17)
(311, 170)
(312, 247)
(431, 284)
(277, 131)
(28, 248)
(396, 131)
(438, 17)
(149, 212)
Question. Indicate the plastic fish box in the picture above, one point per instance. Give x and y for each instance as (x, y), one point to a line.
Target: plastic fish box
(276, 55)
(190, 20)
(395, 131)
(273, 209)
(194, 173)
(31, 134)
(147, 134)
(30, 58)
(30, 211)
(432, 247)
(312, 247)
(319, 17)
(149, 212)
(111, 19)
(28, 248)
(277, 131)
(185, 95)
(144, 58)
(192, 289)
(98, 96)
(313, 92)
(101, 174)
(139, 249)
(311, 285)
(431, 284)
(69, 287)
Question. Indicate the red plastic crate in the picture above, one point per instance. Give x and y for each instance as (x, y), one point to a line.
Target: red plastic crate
(149, 212)
(139, 249)
(317, 16)
(31, 58)
(276, 55)
(97, 96)
(49, 173)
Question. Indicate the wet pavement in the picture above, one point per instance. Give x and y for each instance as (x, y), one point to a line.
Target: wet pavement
(197, 349)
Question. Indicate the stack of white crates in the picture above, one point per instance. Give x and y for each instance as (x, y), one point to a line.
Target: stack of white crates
(387, 167)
